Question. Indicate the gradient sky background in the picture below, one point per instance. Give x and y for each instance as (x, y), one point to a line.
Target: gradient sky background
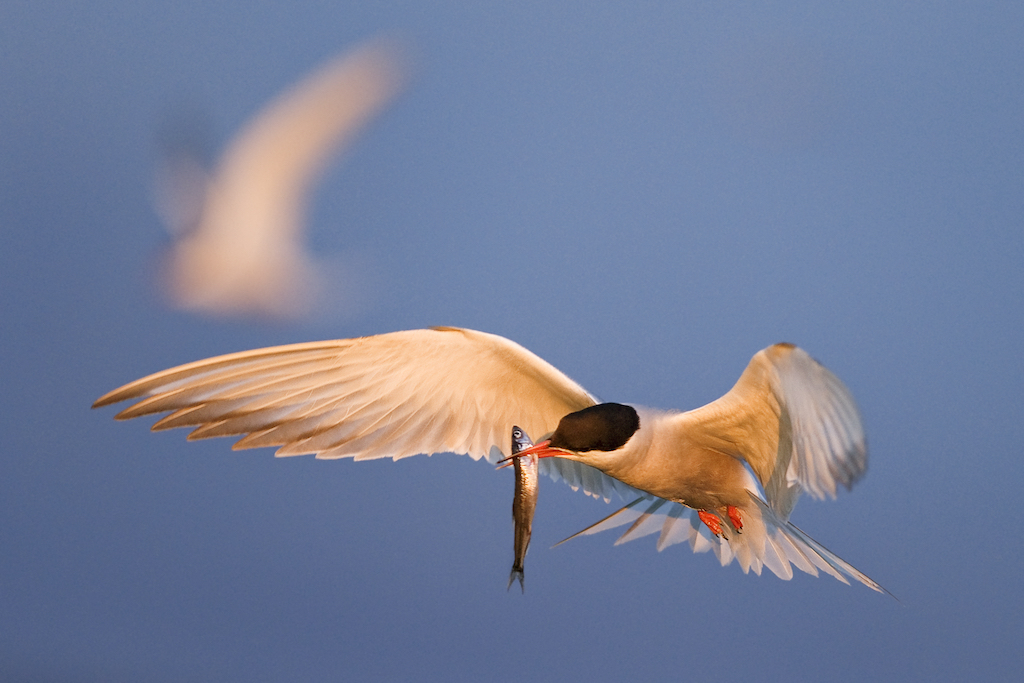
(642, 193)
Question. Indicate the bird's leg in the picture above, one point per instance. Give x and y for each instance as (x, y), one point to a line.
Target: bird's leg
(711, 519)
(734, 516)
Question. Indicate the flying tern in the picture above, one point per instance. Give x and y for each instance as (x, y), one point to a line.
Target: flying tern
(239, 246)
(724, 476)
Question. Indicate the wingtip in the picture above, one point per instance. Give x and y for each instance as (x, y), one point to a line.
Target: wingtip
(107, 399)
(122, 393)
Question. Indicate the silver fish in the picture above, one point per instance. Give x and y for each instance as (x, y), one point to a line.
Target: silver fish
(524, 503)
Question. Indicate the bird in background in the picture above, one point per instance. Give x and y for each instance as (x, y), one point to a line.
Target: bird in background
(239, 244)
(724, 477)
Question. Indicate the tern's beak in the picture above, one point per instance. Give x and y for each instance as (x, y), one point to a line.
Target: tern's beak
(544, 449)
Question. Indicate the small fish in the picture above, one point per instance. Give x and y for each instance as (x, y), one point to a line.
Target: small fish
(524, 503)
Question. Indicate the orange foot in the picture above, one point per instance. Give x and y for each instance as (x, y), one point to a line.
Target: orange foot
(711, 520)
(734, 517)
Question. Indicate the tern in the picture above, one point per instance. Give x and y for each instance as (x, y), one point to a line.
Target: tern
(240, 249)
(724, 477)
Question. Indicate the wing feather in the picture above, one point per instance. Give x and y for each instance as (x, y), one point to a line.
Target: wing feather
(391, 395)
(793, 421)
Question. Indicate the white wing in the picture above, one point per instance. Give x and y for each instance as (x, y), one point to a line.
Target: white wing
(387, 396)
(246, 254)
(592, 481)
(828, 446)
(793, 421)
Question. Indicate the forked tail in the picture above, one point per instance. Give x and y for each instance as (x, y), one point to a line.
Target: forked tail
(766, 540)
(516, 573)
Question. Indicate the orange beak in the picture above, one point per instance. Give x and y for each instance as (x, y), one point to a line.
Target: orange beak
(541, 450)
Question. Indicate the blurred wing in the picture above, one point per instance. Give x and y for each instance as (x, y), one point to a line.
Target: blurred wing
(793, 421)
(269, 167)
(245, 253)
(391, 395)
(828, 445)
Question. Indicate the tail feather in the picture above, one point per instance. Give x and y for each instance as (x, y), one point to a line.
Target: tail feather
(765, 540)
(647, 523)
(623, 515)
(678, 527)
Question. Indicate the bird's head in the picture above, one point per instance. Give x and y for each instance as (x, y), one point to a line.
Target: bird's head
(588, 434)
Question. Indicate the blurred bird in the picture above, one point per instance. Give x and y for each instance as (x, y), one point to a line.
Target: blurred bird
(239, 247)
(724, 477)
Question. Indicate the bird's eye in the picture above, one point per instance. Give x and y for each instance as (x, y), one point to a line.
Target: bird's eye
(517, 433)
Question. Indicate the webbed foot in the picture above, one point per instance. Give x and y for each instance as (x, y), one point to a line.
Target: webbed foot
(711, 520)
(734, 517)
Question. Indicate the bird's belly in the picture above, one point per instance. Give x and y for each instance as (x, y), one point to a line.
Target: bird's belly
(706, 481)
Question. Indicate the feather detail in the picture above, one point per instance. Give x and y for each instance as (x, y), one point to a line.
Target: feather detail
(766, 540)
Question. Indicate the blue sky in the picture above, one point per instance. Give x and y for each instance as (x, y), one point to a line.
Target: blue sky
(644, 194)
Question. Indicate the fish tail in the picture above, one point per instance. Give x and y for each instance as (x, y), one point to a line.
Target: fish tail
(516, 573)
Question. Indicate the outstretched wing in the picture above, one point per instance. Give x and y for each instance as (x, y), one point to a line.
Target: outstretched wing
(794, 423)
(391, 395)
(388, 396)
